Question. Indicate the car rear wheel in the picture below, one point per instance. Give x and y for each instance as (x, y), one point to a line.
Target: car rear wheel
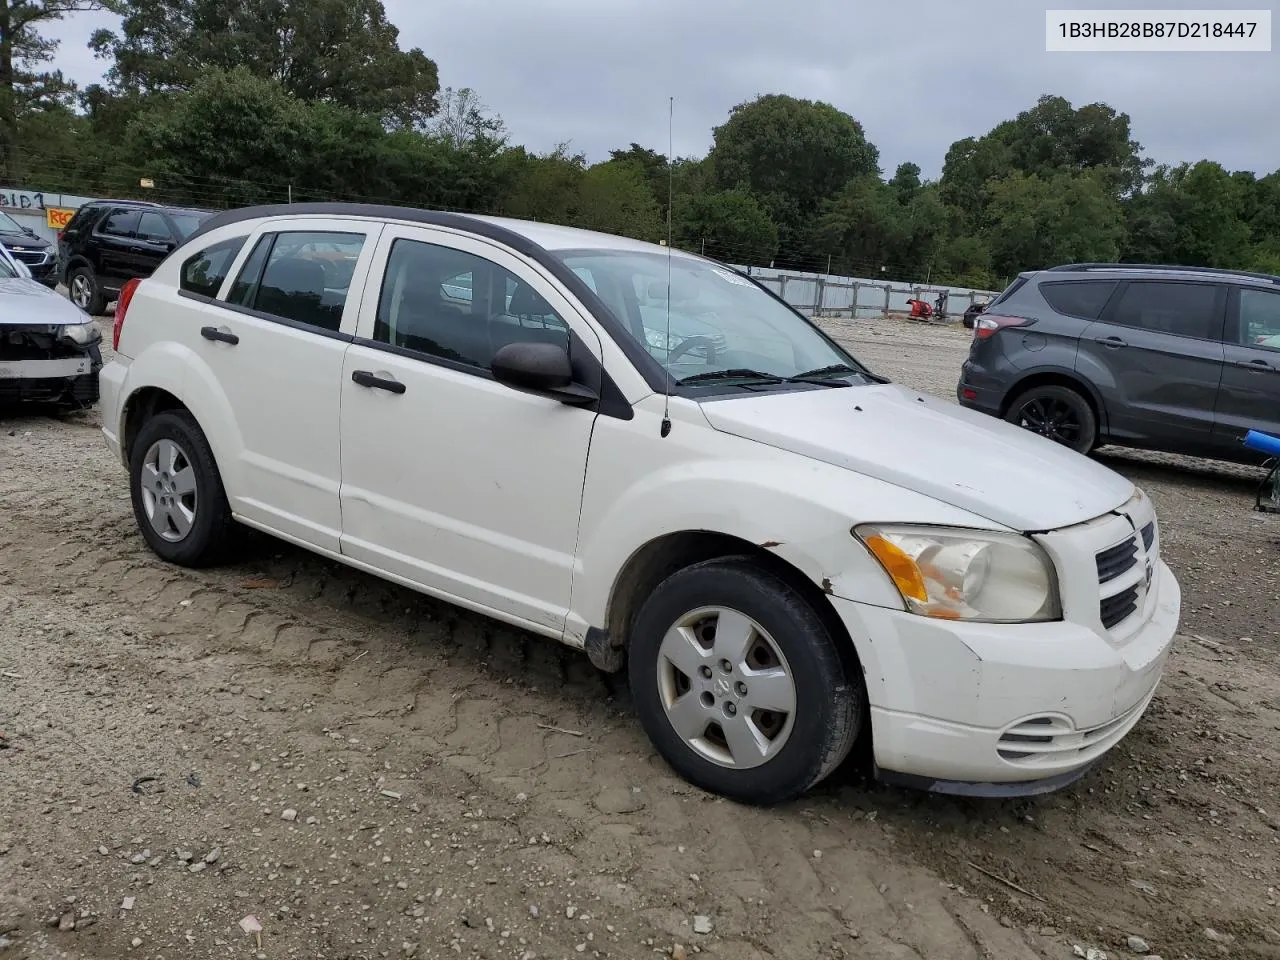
(178, 497)
(1057, 413)
(739, 683)
(85, 291)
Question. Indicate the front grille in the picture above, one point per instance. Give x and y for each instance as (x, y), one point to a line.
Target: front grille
(32, 257)
(81, 391)
(1118, 560)
(1115, 609)
(35, 344)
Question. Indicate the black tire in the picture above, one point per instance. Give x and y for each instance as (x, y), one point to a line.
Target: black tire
(829, 703)
(1063, 415)
(94, 300)
(212, 530)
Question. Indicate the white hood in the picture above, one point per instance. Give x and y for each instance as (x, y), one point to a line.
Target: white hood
(24, 301)
(966, 459)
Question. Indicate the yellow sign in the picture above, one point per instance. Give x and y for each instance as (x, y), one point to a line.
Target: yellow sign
(57, 217)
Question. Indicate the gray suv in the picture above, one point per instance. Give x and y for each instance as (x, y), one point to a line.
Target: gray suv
(1179, 359)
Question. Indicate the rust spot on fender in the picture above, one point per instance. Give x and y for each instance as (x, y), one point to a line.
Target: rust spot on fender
(826, 585)
(770, 544)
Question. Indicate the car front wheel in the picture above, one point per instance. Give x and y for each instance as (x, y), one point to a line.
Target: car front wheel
(85, 291)
(178, 498)
(739, 683)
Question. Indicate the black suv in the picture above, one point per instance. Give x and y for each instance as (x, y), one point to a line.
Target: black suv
(108, 242)
(1179, 359)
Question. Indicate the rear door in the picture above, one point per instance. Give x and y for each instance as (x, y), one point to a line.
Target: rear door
(154, 241)
(1249, 397)
(116, 238)
(1157, 348)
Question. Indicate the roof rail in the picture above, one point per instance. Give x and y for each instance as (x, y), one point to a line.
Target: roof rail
(1168, 267)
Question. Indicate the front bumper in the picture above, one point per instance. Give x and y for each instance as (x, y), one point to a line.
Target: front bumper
(68, 381)
(995, 709)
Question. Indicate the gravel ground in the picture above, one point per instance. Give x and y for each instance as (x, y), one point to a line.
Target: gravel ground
(369, 773)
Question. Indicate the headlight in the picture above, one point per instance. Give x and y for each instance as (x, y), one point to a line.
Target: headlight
(954, 574)
(82, 333)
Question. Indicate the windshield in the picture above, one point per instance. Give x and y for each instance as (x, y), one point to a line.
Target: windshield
(186, 222)
(721, 322)
(8, 224)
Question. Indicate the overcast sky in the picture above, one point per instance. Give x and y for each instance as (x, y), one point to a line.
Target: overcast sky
(918, 74)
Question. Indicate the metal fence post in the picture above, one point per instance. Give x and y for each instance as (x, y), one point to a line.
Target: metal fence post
(853, 307)
(818, 300)
(887, 290)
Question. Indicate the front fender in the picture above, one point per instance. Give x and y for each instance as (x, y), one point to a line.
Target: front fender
(800, 509)
(179, 370)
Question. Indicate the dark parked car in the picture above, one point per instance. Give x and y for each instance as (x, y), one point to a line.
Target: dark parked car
(972, 312)
(109, 242)
(26, 247)
(1179, 359)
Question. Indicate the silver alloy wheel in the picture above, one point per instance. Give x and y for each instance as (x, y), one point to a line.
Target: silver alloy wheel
(81, 291)
(726, 687)
(169, 494)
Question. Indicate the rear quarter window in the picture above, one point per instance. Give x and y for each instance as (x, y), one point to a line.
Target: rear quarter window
(1078, 298)
(203, 272)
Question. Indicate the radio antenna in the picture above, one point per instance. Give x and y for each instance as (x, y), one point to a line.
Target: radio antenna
(666, 343)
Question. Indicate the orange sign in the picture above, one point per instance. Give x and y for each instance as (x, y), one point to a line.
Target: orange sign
(58, 217)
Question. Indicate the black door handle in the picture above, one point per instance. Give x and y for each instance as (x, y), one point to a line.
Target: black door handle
(1255, 365)
(1112, 342)
(222, 336)
(367, 379)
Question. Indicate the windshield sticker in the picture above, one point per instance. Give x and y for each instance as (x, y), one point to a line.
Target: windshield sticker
(732, 277)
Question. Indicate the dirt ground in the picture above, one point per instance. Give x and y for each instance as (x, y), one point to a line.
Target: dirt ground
(370, 773)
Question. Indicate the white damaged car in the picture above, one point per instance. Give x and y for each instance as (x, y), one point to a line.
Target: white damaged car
(49, 347)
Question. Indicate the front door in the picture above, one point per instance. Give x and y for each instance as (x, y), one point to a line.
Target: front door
(1160, 345)
(451, 480)
(1249, 398)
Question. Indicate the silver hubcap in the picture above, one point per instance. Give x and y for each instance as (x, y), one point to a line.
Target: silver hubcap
(169, 494)
(80, 290)
(726, 687)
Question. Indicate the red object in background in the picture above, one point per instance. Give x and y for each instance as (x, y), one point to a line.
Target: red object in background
(920, 309)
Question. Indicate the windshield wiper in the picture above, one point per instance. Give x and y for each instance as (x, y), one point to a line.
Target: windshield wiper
(824, 375)
(738, 373)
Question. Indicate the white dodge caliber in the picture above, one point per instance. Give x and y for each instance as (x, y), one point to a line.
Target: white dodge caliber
(646, 455)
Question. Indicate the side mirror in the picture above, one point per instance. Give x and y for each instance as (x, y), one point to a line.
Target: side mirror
(538, 367)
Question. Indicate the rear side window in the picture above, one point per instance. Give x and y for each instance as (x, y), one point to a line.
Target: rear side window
(121, 222)
(1078, 298)
(203, 273)
(300, 276)
(1009, 291)
(1162, 306)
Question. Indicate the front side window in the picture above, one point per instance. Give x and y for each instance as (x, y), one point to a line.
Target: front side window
(151, 226)
(456, 306)
(1260, 319)
(714, 325)
(1161, 306)
(302, 276)
(204, 272)
(7, 270)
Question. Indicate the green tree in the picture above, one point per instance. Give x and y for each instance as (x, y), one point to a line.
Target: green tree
(1191, 214)
(792, 155)
(616, 199)
(344, 52)
(862, 228)
(728, 225)
(1037, 222)
(906, 182)
(23, 49)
